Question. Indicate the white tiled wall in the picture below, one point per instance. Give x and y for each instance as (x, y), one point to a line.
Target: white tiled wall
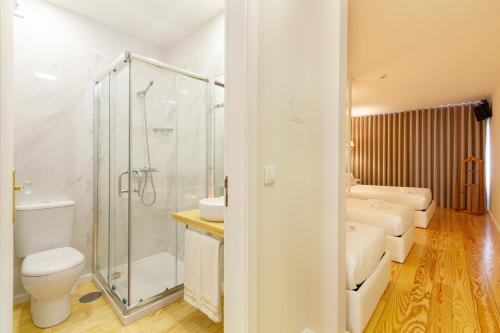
(201, 52)
(54, 118)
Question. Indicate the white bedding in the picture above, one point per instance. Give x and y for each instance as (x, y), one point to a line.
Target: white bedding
(396, 219)
(365, 246)
(416, 197)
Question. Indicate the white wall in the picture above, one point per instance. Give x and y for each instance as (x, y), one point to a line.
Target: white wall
(495, 157)
(6, 156)
(202, 51)
(300, 129)
(54, 119)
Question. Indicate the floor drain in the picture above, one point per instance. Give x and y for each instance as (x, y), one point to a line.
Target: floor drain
(116, 275)
(90, 297)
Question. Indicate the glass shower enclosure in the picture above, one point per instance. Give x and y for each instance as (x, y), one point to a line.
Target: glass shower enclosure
(155, 155)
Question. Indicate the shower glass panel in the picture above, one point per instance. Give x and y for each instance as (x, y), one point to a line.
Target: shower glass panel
(169, 172)
(112, 149)
(152, 123)
(218, 138)
(102, 150)
(119, 182)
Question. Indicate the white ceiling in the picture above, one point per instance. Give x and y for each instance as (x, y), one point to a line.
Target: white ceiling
(161, 22)
(433, 53)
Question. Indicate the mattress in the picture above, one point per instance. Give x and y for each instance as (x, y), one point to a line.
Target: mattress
(416, 197)
(365, 246)
(395, 219)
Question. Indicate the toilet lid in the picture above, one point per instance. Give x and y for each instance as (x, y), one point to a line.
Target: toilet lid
(51, 261)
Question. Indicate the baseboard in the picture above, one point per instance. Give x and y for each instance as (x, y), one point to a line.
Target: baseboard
(85, 278)
(25, 297)
(21, 298)
(494, 221)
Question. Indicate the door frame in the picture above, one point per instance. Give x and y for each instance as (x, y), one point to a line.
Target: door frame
(6, 166)
(240, 165)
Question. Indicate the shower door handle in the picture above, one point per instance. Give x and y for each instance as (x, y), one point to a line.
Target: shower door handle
(120, 189)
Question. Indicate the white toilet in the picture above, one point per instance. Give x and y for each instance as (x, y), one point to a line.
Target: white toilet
(43, 233)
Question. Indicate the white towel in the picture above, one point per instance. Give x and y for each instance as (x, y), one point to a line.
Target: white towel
(210, 283)
(192, 267)
(201, 274)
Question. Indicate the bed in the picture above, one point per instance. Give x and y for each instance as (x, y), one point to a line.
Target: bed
(419, 199)
(395, 219)
(367, 273)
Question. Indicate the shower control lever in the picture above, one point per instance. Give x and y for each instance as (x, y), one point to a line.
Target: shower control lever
(137, 171)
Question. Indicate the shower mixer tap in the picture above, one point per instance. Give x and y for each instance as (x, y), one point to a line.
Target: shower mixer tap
(139, 172)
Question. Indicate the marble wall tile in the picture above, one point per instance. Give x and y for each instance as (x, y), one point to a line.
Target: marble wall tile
(54, 117)
(201, 52)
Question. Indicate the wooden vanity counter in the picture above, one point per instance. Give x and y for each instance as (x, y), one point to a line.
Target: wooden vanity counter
(192, 218)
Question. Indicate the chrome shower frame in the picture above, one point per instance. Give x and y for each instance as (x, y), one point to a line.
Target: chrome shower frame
(128, 313)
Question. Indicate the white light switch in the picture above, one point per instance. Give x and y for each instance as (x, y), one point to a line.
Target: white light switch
(269, 175)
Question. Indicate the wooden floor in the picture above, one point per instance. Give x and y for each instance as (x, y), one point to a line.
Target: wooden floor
(450, 281)
(98, 317)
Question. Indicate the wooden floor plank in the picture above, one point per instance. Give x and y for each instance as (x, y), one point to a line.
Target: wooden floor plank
(477, 253)
(395, 271)
(450, 281)
(440, 316)
(395, 309)
(98, 317)
(489, 258)
(493, 267)
(463, 303)
(417, 312)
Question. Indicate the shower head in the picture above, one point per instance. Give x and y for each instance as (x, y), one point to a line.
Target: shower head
(145, 91)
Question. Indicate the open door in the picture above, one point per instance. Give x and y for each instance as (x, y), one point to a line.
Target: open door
(6, 166)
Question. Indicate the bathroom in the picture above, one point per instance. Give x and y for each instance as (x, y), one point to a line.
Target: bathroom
(75, 140)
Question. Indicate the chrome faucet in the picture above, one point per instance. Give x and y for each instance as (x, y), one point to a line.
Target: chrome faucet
(139, 172)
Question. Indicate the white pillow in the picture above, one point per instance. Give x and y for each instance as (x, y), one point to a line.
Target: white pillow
(379, 203)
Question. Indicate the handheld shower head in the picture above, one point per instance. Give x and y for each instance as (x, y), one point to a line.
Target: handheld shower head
(145, 91)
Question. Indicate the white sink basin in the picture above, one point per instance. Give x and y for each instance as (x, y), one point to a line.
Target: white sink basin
(212, 209)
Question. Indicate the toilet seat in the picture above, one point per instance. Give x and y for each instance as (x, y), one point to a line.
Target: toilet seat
(51, 262)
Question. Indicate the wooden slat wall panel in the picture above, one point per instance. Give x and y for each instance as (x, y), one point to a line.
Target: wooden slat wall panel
(421, 148)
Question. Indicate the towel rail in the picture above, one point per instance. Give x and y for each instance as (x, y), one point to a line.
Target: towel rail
(207, 233)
